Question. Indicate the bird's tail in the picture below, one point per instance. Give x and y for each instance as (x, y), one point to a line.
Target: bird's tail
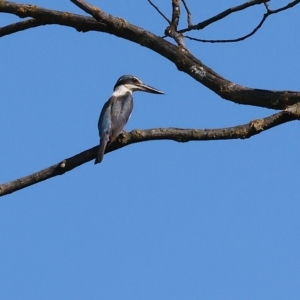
(101, 149)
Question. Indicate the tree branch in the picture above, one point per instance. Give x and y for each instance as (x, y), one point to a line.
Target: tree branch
(88, 8)
(181, 57)
(159, 11)
(137, 136)
(289, 5)
(265, 16)
(175, 13)
(222, 15)
(19, 26)
(232, 40)
(189, 15)
(171, 30)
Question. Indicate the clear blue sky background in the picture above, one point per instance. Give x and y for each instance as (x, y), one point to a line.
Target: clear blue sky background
(156, 220)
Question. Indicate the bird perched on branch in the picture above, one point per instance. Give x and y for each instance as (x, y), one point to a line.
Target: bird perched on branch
(117, 110)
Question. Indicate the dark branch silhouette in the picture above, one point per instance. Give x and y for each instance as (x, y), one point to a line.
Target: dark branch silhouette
(189, 15)
(171, 30)
(177, 54)
(222, 15)
(231, 40)
(159, 11)
(180, 56)
(265, 16)
(137, 136)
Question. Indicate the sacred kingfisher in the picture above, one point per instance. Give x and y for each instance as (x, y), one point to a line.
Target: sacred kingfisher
(117, 110)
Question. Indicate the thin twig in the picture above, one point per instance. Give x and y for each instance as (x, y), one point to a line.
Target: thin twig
(189, 15)
(265, 16)
(231, 40)
(136, 136)
(222, 15)
(289, 5)
(19, 26)
(159, 11)
(88, 8)
(267, 6)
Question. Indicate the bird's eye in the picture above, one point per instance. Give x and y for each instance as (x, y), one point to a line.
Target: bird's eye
(134, 79)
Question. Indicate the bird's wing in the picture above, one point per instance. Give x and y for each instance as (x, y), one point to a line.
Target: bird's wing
(104, 123)
(121, 109)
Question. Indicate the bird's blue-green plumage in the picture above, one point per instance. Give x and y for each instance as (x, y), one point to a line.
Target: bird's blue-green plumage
(117, 110)
(113, 118)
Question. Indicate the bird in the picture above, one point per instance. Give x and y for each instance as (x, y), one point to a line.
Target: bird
(117, 110)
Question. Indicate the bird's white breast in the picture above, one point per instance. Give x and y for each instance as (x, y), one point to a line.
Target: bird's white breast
(121, 90)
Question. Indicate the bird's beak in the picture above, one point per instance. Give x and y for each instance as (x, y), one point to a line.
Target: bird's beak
(149, 89)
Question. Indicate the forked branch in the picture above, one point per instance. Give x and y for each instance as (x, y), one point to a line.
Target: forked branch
(235, 9)
(222, 15)
(180, 56)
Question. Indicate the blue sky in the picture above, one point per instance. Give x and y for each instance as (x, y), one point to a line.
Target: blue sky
(155, 220)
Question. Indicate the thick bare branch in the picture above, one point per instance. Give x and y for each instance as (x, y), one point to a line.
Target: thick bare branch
(19, 26)
(294, 110)
(181, 57)
(138, 136)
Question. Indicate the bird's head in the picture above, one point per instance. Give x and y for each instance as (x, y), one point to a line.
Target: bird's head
(132, 84)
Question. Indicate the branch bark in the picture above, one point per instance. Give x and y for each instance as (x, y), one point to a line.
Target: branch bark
(19, 26)
(180, 56)
(184, 61)
(171, 30)
(189, 14)
(137, 136)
